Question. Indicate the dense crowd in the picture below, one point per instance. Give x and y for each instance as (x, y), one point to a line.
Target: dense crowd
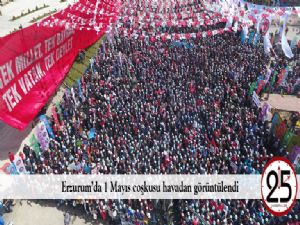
(274, 3)
(163, 108)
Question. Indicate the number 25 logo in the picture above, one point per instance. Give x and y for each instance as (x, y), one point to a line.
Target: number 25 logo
(279, 186)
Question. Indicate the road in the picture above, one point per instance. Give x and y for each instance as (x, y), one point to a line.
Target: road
(10, 140)
(46, 213)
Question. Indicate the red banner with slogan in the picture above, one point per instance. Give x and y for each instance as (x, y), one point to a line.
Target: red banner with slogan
(35, 60)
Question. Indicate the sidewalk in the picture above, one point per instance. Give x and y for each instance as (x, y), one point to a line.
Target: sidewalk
(46, 213)
(18, 6)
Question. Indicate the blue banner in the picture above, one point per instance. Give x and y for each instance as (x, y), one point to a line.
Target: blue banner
(181, 44)
(260, 77)
(12, 169)
(251, 37)
(44, 119)
(243, 37)
(275, 120)
(92, 133)
(1, 220)
(256, 39)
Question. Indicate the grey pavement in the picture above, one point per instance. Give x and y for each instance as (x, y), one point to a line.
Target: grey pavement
(16, 7)
(10, 140)
(46, 213)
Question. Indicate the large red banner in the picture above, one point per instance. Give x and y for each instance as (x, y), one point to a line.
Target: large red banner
(35, 60)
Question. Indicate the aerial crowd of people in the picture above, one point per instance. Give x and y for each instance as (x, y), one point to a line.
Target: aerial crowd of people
(158, 107)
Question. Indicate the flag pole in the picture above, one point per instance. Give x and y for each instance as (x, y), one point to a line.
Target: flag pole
(96, 10)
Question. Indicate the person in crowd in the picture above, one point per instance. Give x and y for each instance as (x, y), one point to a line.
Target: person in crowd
(67, 218)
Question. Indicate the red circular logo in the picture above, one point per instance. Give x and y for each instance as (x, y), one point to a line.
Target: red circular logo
(279, 186)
